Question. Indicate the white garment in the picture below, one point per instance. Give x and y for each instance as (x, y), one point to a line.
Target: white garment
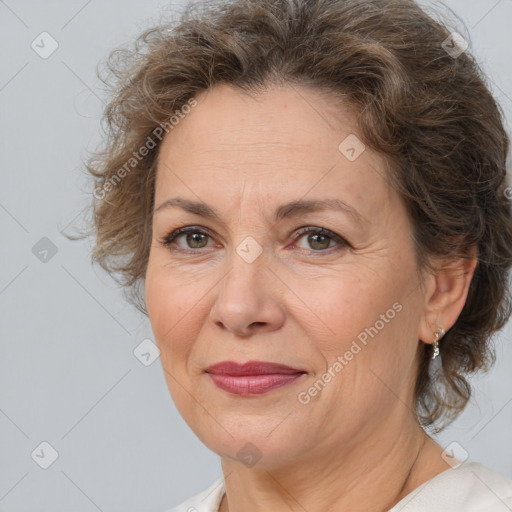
(469, 487)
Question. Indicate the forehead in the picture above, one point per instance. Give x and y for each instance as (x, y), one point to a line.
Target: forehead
(283, 142)
(228, 118)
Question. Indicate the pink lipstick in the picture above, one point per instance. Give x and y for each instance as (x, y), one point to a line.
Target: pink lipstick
(253, 377)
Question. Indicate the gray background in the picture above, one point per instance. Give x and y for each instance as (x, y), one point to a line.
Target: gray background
(68, 375)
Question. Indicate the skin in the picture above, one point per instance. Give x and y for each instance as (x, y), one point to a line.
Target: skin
(357, 445)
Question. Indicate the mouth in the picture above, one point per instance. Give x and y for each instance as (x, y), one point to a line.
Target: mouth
(253, 377)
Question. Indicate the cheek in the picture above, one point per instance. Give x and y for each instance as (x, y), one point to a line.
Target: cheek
(171, 306)
(348, 305)
(364, 334)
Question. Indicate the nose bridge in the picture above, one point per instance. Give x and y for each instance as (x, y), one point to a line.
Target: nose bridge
(246, 273)
(244, 296)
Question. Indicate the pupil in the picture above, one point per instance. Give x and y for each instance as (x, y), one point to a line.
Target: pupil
(316, 236)
(192, 238)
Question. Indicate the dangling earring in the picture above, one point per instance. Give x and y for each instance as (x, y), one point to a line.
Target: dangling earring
(437, 336)
(435, 369)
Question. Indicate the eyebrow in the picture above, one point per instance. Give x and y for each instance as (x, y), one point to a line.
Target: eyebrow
(287, 210)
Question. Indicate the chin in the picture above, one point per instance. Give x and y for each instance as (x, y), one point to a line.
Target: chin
(253, 440)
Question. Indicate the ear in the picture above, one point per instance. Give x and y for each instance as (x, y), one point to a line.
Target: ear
(446, 291)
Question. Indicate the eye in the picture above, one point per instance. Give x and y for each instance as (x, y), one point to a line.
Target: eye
(320, 239)
(193, 237)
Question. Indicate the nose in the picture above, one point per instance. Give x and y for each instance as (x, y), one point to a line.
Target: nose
(248, 299)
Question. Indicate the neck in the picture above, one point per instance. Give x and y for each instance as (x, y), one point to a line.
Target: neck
(370, 474)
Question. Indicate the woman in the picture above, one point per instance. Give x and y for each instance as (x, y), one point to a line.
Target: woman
(308, 200)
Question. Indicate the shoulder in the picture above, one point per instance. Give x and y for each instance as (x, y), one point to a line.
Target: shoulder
(208, 500)
(470, 487)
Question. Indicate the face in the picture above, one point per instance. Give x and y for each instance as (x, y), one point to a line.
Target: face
(331, 291)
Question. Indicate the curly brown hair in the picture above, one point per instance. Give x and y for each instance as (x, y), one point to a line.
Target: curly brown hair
(427, 110)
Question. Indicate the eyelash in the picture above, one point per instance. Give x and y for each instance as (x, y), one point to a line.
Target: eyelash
(168, 240)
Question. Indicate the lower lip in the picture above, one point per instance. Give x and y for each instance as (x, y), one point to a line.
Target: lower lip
(246, 385)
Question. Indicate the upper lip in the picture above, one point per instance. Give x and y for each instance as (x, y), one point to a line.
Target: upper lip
(251, 368)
